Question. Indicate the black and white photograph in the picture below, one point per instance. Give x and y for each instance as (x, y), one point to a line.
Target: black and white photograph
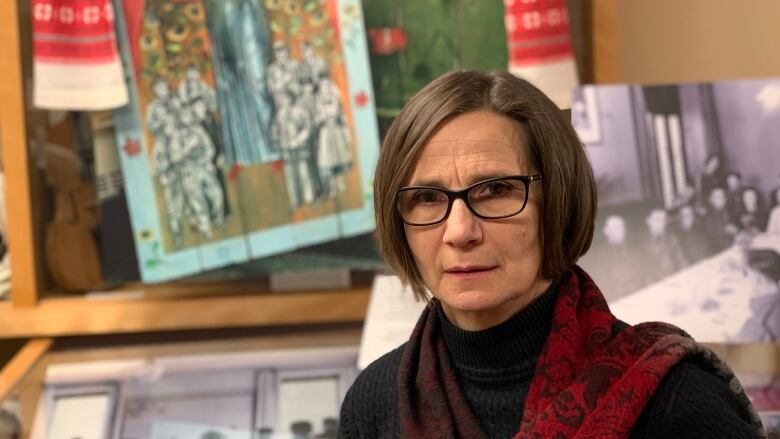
(688, 226)
(272, 394)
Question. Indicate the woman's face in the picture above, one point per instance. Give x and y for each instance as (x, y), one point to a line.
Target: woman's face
(482, 271)
(687, 217)
(615, 229)
(750, 199)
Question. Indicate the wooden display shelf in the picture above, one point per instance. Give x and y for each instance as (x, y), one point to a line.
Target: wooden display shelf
(56, 317)
(21, 365)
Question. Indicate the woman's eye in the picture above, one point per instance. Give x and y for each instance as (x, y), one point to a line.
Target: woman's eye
(496, 188)
(424, 197)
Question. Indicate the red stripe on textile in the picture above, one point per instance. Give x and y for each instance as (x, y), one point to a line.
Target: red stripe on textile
(540, 62)
(58, 29)
(53, 35)
(526, 54)
(60, 61)
(81, 51)
(537, 31)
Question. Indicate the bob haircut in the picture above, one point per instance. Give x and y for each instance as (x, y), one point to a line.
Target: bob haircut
(568, 207)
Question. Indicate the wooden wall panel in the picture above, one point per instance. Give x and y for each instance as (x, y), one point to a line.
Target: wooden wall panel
(667, 41)
(17, 164)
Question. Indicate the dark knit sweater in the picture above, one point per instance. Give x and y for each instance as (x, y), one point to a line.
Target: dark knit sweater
(495, 368)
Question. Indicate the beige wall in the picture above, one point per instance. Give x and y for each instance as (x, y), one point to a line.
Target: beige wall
(663, 41)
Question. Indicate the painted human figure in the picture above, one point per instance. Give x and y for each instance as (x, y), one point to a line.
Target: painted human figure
(281, 74)
(160, 120)
(308, 102)
(333, 156)
(166, 152)
(193, 88)
(292, 128)
(312, 66)
(196, 93)
(204, 196)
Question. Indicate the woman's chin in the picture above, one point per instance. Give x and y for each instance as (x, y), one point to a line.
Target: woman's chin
(472, 301)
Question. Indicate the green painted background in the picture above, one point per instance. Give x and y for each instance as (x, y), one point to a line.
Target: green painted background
(442, 35)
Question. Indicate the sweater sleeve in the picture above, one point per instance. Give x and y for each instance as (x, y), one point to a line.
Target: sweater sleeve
(370, 407)
(692, 402)
(347, 427)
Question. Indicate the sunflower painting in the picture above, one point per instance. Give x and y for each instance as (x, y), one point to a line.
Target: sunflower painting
(257, 124)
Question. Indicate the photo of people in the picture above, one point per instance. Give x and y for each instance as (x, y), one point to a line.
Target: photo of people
(688, 229)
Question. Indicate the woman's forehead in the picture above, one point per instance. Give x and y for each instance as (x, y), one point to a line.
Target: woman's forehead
(473, 146)
(480, 126)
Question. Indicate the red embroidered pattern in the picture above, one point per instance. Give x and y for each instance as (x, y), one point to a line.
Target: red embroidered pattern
(537, 31)
(73, 31)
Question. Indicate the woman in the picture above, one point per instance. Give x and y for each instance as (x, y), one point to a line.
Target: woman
(751, 211)
(764, 322)
(773, 224)
(484, 200)
(711, 176)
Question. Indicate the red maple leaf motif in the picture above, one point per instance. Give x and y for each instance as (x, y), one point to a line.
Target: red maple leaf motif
(361, 99)
(234, 171)
(132, 147)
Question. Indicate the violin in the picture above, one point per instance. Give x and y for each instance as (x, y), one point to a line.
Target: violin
(72, 255)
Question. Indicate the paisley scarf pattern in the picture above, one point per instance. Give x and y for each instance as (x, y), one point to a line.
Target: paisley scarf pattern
(588, 383)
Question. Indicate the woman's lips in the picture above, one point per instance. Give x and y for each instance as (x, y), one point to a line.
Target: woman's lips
(469, 272)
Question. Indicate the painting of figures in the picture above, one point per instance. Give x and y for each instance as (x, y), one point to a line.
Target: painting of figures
(250, 131)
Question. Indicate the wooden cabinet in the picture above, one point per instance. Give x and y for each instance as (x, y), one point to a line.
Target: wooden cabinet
(649, 42)
(35, 310)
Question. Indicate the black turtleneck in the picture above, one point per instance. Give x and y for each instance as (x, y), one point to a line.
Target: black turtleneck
(495, 368)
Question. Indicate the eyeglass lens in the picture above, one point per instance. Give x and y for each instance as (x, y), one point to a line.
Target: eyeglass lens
(492, 199)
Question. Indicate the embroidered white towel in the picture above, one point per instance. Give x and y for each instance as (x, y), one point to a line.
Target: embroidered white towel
(76, 64)
(540, 48)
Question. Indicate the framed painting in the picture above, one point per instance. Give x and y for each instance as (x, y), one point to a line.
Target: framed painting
(251, 129)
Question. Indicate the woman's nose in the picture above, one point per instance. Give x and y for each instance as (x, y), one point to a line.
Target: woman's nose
(462, 227)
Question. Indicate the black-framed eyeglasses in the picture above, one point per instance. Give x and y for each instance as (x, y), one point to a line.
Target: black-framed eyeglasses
(495, 198)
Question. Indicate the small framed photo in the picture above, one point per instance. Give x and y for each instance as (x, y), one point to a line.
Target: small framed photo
(84, 412)
(585, 115)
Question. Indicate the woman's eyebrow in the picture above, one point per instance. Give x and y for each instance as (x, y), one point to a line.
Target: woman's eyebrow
(476, 178)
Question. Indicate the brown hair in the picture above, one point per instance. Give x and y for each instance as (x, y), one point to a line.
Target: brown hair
(568, 189)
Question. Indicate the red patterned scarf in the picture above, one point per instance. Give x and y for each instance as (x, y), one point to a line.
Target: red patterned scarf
(588, 382)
